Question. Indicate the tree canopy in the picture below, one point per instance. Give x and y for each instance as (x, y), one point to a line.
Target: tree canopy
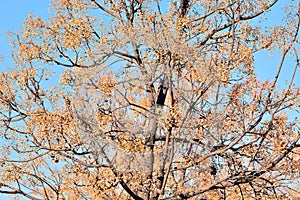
(158, 100)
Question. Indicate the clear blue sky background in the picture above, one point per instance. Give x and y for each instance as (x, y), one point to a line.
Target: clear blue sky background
(13, 12)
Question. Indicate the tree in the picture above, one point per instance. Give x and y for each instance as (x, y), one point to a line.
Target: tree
(158, 100)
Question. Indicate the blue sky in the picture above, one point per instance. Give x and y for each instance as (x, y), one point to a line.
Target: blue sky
(13, 12)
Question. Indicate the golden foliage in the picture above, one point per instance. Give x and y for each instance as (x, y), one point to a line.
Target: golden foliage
(158, 100)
